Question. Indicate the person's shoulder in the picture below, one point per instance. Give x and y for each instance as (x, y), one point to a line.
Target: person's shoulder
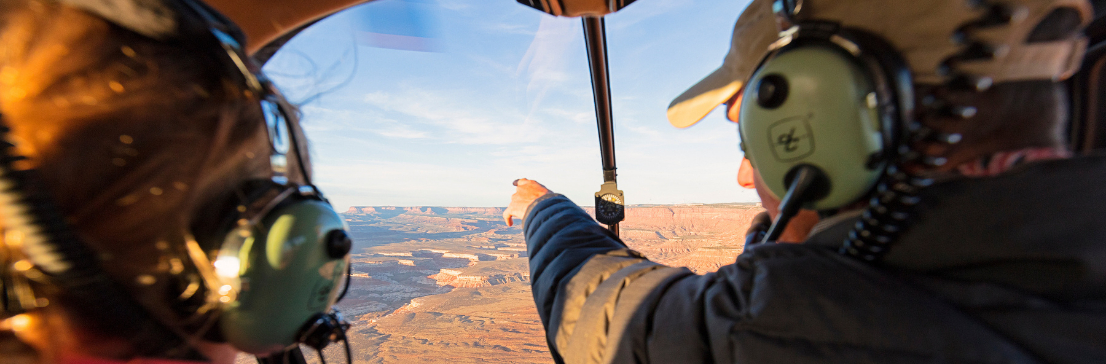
(811, 266)
(784, 253)
(768, 271)
(816, 305)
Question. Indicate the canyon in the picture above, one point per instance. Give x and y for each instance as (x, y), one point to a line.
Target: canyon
(437, 284)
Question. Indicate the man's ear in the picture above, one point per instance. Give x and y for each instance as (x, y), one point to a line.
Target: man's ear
(745, 174)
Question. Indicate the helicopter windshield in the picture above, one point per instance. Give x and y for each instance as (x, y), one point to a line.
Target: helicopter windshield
(420, 113)
(434, 109)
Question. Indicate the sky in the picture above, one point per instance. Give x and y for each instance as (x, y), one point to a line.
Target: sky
(498, 91)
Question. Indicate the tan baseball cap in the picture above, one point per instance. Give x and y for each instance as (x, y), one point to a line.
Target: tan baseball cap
(921, 30)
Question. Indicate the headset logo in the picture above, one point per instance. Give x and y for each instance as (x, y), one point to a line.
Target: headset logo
(791, 139)
(321, 296)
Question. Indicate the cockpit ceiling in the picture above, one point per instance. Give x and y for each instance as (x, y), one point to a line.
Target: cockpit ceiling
(268, 24)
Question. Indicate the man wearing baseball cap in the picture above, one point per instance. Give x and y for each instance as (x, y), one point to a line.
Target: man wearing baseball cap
(947, 221)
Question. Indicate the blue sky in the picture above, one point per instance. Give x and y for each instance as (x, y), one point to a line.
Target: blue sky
(505, 94)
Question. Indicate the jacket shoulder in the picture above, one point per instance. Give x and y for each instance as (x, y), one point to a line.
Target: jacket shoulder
(806, 303)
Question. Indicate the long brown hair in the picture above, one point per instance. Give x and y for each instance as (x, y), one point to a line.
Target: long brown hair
(132, 137)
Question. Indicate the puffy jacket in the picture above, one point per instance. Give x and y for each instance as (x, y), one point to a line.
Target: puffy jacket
(1008, 269)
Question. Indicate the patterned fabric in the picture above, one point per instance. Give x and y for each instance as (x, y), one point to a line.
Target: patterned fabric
(924, 45)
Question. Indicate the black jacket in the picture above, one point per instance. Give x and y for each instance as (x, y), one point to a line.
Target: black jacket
(1009, 269)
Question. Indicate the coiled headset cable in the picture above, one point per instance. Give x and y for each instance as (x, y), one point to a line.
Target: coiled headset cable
(892, 208)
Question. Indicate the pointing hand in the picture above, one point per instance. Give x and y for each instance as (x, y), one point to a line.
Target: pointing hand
(525, 194)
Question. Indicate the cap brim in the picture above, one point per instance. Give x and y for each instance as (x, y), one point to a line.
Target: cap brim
(753, 35)
(698, 101)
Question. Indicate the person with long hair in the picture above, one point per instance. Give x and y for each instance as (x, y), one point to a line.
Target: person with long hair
(144, 134)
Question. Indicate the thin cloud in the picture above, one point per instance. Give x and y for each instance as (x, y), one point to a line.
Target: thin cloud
(349, 122)
(578, 117)
(457, 128)
(403, 132)
(545, 63)
(503, 68)
(508, 28)
(458, 121)
(645, 130)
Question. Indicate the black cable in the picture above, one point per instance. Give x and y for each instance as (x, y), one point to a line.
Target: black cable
(217, 21)
(283, 107)
(891, 210)
(345, 343)
(807, 179)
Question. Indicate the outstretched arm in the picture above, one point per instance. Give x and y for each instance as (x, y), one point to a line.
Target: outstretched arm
(596, 297)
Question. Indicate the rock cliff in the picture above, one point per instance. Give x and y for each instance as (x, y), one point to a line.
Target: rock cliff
(452, 284)
(428, 210)
(700, 237)
(458, 278)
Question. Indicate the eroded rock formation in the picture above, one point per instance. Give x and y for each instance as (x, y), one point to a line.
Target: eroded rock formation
(452, 283)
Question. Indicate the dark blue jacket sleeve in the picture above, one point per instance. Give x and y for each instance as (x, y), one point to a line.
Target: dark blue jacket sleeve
(560, 237)
(588, 286)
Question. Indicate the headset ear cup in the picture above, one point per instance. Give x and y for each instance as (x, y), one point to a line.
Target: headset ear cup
(837, 126)
(280, 259)
(892, 82)
(290, 273)
(214, 222)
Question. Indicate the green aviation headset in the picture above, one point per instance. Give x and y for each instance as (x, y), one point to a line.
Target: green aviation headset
(828, 120)
(823, 101)
(827, 105)
(270, 265)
